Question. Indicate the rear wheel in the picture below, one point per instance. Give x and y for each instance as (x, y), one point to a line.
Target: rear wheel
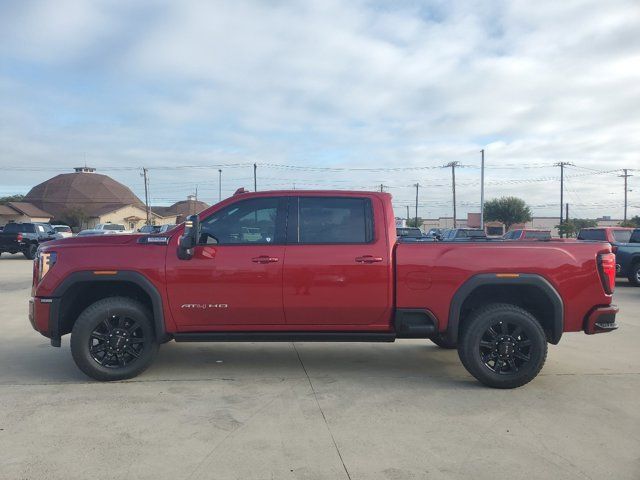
(442, 341)
(634, 275)
(113, 339)
(30, 252)
(503, 346)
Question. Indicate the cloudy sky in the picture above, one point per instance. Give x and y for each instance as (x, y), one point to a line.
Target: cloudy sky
(327, 94)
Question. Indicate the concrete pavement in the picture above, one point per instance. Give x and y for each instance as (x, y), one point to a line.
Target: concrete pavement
(406, 410)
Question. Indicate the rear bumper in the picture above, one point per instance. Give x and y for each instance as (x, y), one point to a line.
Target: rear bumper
(601, 320)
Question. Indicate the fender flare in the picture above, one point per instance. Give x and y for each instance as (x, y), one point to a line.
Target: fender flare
(492, 279)
(120, 276)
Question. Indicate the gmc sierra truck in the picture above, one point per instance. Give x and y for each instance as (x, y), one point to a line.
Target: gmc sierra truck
(300, 266)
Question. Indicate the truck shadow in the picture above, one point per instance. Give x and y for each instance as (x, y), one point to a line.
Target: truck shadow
(256, 362)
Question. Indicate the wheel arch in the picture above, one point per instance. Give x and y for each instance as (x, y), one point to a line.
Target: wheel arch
(80, 289)
(532, 292)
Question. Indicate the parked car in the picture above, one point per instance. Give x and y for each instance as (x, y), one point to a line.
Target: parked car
(435, 233)
(527, 234)
(628, 258)
(318, 266)
(26, 237)
(463, 234)
(613, 235)
(156, 228)
(111, 227)
(64, 230)
(91, 232)
(413, 232)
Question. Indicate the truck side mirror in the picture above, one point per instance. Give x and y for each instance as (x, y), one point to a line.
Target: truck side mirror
(189, 239)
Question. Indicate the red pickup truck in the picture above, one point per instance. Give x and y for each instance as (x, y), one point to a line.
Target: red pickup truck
(317, 266)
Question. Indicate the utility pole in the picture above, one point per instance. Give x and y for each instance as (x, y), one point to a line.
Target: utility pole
(381, 187)
(219, 185)
(566, 212)
(417, 187)
(482, 190)
(407, 214)
(453, 166)
(625, 176)
(255, 180)
(561, 165)
(146, 193)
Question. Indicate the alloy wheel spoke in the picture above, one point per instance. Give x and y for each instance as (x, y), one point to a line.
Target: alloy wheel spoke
(512, 364)
(136, 340)
(129, 349)
(521, 356)
(99, 336)
(133, 327)
(487, 344)
(524, 343)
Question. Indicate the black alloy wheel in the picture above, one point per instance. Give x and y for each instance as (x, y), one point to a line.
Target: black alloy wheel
(502, 345)
(505, 348)
(114, 339)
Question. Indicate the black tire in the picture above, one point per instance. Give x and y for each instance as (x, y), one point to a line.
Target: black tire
(30, 252)
(634, 275)
(442, 341)
(113, 339)
(507, 356)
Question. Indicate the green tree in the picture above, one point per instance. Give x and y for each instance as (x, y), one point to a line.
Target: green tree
(11, 198)
(633, 222)
(75, 217)
(412, 222)
(508, 210)
(571, 227)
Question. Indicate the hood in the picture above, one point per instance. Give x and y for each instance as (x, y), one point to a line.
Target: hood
(93, 240)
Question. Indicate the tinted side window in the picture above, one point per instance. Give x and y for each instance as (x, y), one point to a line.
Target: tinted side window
(248, 222)
(592, 235)
(334, 220)
(635, 237)
(622, 236)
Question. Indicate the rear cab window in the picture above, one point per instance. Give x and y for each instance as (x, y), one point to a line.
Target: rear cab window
(537, 235)
(19, 228)
(592, 234)
(331, 220)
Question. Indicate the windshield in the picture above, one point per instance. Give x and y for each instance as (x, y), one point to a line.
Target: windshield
(622, 236)
(112, 226)
(62, 229)
(475, 233)
(541, 235)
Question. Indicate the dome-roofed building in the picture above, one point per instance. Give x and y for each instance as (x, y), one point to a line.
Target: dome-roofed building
(94, 197)
(182, 209)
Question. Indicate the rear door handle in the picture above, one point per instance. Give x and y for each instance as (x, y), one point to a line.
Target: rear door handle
(264, 259)
(368, 259)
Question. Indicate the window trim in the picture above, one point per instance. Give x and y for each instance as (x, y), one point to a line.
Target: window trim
(280, 229)
(293, 223)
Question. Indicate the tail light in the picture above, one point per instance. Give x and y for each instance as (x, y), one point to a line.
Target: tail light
(607, 270)
(19, 237)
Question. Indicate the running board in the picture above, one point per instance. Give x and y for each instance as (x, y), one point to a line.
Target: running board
(284, 337)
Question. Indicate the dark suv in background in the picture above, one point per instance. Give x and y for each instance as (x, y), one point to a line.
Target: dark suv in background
(26, 237)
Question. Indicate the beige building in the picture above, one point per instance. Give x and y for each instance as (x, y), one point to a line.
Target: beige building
(20, 212)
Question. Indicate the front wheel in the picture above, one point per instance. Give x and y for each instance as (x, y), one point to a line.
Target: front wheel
(503, 346)
(113, 339)
(634, 275)
(30, 252)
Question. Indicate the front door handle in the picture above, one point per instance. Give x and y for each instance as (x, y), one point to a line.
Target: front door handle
(264, 259)
(368, 259)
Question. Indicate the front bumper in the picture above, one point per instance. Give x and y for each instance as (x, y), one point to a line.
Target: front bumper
(601, 320)
(42, 311)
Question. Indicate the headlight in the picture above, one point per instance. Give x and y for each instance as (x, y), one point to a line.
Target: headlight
(46, 261)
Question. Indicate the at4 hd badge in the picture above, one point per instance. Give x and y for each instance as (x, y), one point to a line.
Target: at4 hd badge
(204, 306)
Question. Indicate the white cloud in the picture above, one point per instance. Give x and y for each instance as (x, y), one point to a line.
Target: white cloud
(330, 82)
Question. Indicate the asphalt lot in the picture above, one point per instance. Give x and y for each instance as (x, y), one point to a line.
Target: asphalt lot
(406, 410)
